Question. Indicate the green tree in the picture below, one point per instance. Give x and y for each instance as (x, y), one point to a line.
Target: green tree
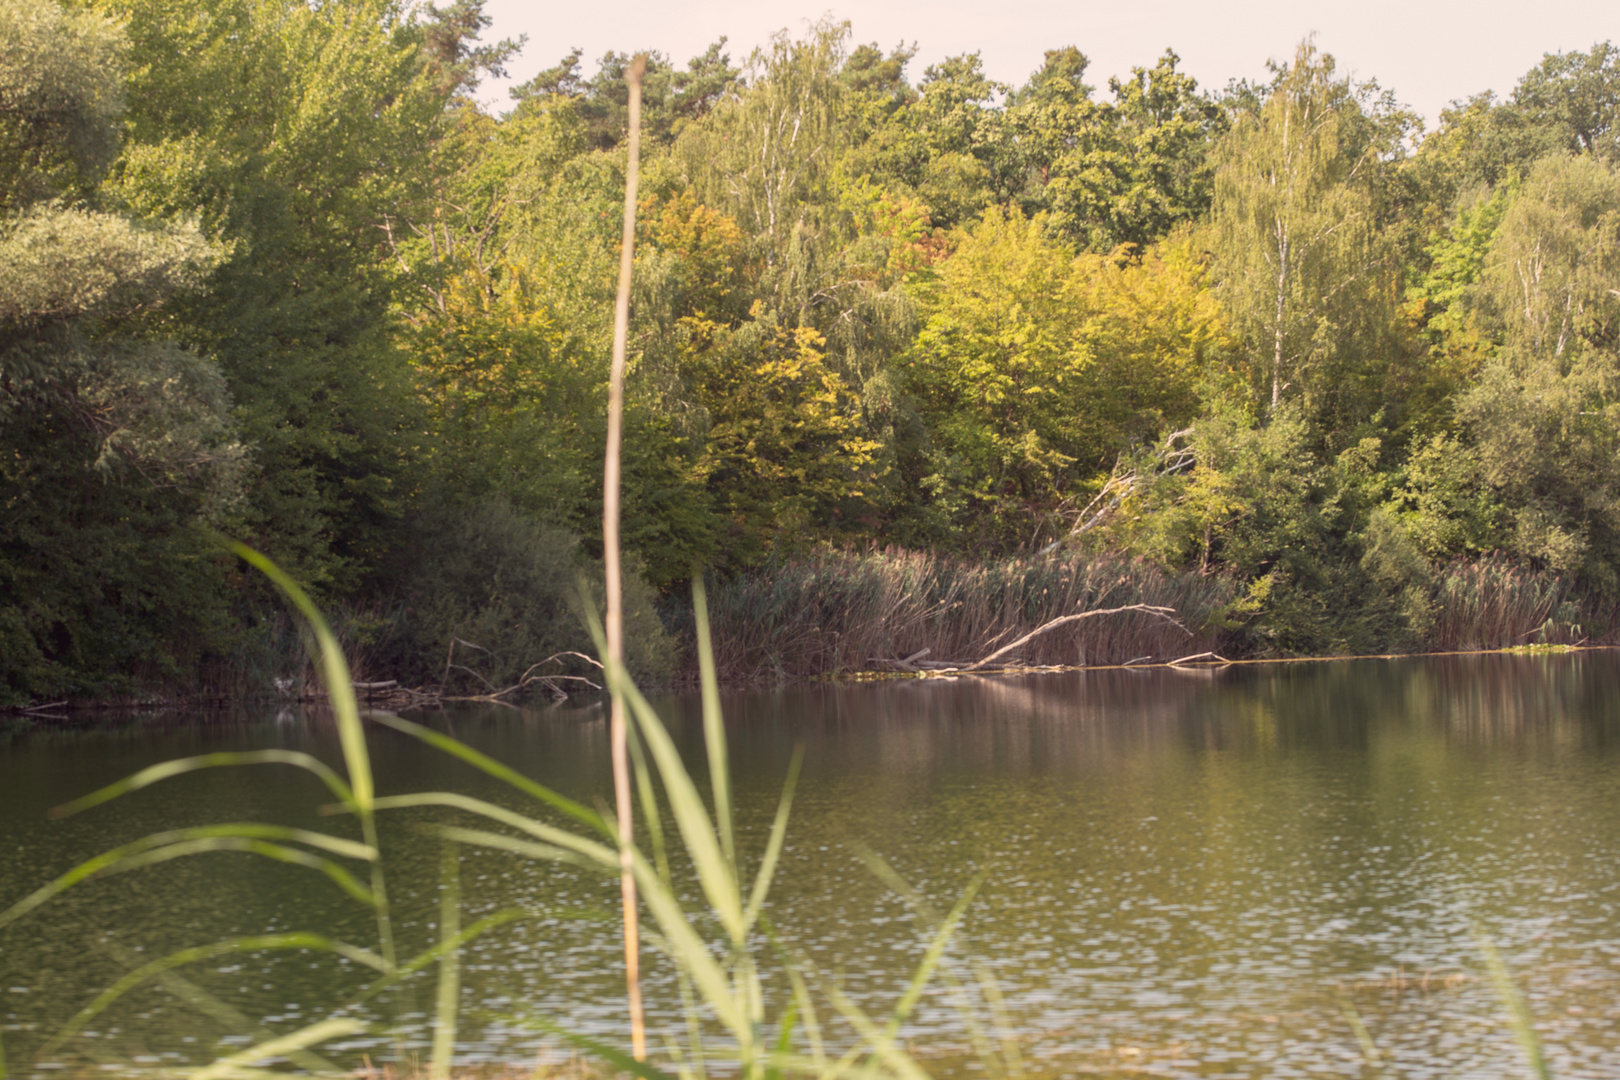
(290, 131)
(1141, 166)
(1544, 413)
(1034, 368)
(1304, 273)
(114, 445)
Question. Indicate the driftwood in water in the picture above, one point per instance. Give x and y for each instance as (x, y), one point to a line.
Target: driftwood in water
(1206, 657)
(1168, 614)
(911, 663)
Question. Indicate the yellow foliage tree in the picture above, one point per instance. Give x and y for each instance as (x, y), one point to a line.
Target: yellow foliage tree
(1035, 367)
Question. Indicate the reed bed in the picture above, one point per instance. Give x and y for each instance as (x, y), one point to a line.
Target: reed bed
(833, 612)
(1496, 602)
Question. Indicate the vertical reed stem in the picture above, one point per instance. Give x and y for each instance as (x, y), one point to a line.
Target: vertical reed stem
(444, 1013)
(614, 621)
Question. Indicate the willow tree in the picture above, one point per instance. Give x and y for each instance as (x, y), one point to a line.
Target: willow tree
(769, 154)
(1303, 271)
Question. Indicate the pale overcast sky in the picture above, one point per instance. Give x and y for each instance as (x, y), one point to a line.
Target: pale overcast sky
(1428, 51)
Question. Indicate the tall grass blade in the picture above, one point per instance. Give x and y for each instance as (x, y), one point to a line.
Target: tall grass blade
(714, 728)
(773, 847)
(931, 958)
(282, 1046)
(147, 777)
(784, 1042)
(802, 999)
(612, 575)
(596, 1048)
(485, 763)
(878, 1041)
(334, 674)
(527, 848)
(1364, 1039)
(715, 872)
(1012, 1059)
(346, 711)
(212, 1007)
(549, 834)
(1524, 1028)
(299, 940)
(444, 1013)
(423, 959)
(176, 843)
(649, 808)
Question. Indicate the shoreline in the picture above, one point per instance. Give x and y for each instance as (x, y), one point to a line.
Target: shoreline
(1201, 664)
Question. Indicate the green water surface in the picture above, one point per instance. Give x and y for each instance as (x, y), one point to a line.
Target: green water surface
(1187, 874)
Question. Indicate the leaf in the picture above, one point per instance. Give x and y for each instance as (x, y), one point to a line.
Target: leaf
(494, 768)
(550, 834)
(167, 769)
(281, 1046)
(161, 847)
(334, 674)
(299, 940)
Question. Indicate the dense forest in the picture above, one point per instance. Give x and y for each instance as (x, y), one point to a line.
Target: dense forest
(269, 270)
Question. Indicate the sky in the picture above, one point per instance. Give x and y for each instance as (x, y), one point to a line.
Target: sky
(1429, 52)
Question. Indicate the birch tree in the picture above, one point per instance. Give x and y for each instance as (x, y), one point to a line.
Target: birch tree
(1302, 269)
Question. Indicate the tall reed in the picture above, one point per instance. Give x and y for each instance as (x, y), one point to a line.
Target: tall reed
(1496, 602)
(831, 612)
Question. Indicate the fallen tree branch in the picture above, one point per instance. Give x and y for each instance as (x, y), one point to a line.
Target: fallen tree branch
(1207, 657)
(1168, 614)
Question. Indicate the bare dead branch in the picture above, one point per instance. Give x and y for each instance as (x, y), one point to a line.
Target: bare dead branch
(1168, 614)
(1206, 657)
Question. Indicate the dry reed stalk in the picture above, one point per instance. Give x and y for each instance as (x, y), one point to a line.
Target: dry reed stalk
(828, 612)
(613, 622)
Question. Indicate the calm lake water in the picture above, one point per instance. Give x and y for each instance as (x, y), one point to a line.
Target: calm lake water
(1186, 874)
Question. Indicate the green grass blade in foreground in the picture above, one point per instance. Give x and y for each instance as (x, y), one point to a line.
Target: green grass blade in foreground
(650, 811)
(283, 1045)
(617, 1058)
(715, 872)
(1524, 1028)
(773, 847)
(176, 843)
(931, 958)
(445, 1004)
(529, 849)
(945, 928)
(879, 1042)
(457, 748)
(548, 834)
(784, 1042)
(316, 942)
(167, 769)
(714, 728)
(334, 674)
(1364, 1039)
(482, 926)
(227, 1017)
(802, 1000)
(351, 734)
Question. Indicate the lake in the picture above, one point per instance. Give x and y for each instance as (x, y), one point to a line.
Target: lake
(1198, 874)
